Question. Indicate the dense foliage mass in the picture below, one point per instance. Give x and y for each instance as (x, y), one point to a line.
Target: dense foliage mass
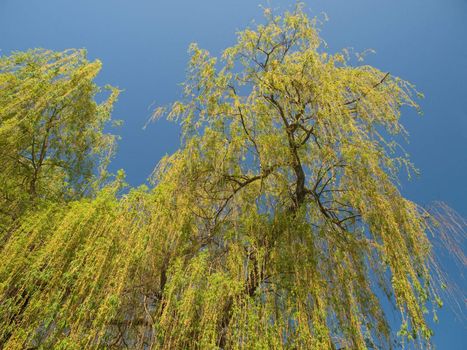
(277, 224)
(51, 131)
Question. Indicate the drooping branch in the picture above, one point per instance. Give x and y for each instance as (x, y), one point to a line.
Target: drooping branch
(363, 95)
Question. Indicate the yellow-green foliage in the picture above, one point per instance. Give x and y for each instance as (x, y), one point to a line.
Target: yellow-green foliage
(278, 223)
(50, 128)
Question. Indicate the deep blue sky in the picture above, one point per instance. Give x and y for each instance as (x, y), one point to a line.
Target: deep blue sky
(143, 45)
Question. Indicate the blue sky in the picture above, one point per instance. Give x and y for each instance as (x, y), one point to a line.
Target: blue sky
(143, 45)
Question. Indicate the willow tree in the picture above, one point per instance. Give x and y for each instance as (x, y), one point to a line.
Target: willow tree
(277, 224)
(291, 163)
(51, 128)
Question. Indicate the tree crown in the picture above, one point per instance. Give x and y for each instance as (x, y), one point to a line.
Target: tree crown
(52, 142)
(277, 224)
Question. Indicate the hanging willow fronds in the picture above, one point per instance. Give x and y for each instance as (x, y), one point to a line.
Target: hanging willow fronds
(277, 224)
(51, 129)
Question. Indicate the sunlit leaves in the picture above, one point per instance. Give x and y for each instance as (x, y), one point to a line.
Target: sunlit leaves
(277, 224)
(51, 128)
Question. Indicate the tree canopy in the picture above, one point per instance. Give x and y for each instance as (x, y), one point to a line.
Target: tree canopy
(277, 224)
(51, 128)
